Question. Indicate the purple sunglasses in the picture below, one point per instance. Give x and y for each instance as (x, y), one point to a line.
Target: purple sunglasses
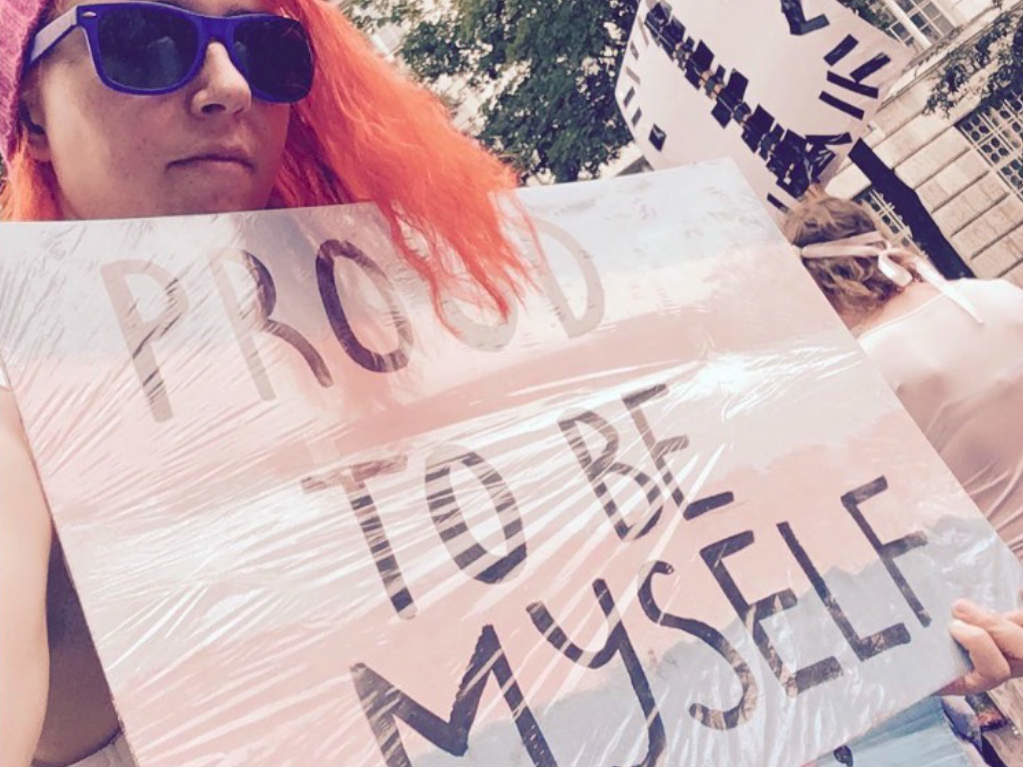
(150, 48)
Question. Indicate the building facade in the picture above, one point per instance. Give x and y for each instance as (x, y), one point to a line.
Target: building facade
(966, 167)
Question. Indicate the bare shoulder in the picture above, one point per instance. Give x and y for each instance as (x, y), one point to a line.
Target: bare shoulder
(25, 528)
(25, 539)
(24, 509)
(999, 290)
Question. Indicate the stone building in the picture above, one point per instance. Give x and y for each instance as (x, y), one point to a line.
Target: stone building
(966, 167)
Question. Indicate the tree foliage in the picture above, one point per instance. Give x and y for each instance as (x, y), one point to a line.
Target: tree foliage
(986, 66)
(547, 70)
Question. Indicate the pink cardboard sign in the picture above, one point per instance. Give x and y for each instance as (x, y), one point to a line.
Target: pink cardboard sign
(667, 513)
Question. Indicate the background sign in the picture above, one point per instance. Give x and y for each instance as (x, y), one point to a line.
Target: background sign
(667, 513)
(783, 90)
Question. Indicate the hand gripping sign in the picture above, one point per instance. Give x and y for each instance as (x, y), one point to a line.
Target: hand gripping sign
(784, 89)
(666, 513)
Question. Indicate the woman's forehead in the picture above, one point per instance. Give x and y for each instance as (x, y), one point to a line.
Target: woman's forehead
(208, 7)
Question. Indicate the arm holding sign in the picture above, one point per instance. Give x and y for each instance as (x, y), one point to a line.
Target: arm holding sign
(25, 536)
(992, 640)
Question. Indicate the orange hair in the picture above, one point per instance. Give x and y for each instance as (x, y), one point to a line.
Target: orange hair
(365, 133)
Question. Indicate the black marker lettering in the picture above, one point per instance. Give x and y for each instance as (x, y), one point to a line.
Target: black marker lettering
(139, 334)
(799, 24)
(598, 468)
(464, 548)
(593, 310)
(353, 480)
(333, 250)
(889, 550)
(864, 647)
(658, 449)
(617, 644)
(383, 703)
(243, 323)
(752, 615)
(708, 716)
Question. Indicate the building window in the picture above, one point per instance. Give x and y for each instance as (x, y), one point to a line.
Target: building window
(916, 23)
(995, 131)
(900, 32)
(894, 227)
(926, 16)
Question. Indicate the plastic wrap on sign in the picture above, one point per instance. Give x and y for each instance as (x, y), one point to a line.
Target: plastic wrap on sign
(665, 513)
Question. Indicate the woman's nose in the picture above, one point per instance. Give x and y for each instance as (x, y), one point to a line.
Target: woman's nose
(219, 88)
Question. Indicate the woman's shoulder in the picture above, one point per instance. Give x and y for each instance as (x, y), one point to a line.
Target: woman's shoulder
(996, 303)
(999, 302)
(995, 290)
(940, 332)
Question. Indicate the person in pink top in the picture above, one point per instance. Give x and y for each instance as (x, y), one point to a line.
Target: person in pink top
(131, 109)
(952, 352)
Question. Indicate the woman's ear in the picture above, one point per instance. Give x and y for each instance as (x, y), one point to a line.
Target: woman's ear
(32, 119)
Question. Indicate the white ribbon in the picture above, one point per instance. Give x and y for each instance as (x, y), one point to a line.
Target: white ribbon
(874, 245)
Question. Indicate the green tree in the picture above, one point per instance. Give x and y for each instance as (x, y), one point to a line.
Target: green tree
(987, 66)
(550, 65)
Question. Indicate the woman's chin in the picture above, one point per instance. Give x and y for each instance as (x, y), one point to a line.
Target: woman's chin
(196, 192)
(212, 203)
(176, 206)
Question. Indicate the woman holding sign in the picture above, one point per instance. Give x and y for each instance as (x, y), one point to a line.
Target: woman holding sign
(931, 340)
(135, 109)
(952, 352)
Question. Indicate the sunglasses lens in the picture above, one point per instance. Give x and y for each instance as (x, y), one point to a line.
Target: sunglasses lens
(275, 56)
(146, 48)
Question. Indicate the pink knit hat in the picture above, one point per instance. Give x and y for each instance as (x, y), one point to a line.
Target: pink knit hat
(18, 20)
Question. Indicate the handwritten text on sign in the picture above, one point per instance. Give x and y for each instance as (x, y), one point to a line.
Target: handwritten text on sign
(666, 506)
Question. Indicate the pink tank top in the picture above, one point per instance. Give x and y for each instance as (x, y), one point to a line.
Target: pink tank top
(961, 382)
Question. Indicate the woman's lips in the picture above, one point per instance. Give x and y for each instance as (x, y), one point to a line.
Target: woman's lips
(213, 161)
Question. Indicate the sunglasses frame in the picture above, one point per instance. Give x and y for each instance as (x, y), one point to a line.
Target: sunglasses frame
(209, 29)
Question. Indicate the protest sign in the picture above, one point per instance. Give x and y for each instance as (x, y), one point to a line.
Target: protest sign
(783, 90)
(667, 506)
